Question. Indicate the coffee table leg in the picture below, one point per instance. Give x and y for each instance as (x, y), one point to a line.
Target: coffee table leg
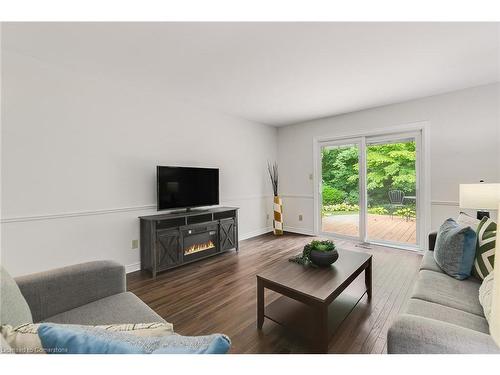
(368, 279)
(322, 334)
(260, 304)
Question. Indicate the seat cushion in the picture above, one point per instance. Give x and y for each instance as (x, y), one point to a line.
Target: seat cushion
(15, 310)
(429, 264)
(119, 308)
(442, 289)
(446, 314)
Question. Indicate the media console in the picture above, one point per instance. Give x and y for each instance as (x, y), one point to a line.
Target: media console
(173, 239)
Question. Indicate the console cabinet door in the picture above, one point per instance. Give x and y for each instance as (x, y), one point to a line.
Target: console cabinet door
(168, 245)
(227, 234)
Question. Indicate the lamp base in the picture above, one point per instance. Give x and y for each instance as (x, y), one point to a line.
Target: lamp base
(481, 214)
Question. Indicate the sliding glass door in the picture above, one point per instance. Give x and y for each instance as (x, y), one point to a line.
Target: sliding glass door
(340, 188)
(369, 188)
(391, 176)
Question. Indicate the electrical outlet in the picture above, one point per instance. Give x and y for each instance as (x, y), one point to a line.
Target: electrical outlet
(300, 217)
(135, 244)
(310, 176)
(267, 217)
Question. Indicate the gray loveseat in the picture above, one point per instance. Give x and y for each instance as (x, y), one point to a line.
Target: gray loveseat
(443, 315)
(91, 293)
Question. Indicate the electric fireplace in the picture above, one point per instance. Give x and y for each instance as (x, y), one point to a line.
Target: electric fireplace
(200, 241)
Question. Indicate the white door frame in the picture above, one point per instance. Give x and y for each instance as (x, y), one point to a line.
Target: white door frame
(423, 176)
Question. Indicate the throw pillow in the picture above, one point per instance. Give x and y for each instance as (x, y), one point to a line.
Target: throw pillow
(24, 338)
(60, 340)
(455, 249)
(486, 295)
(468, 221)
(4, 347)
(89, 340)
(15, 309)
(485, 251)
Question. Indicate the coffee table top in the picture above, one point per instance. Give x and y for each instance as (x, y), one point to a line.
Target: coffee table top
(318, 283)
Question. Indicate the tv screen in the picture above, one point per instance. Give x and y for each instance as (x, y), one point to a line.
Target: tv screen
(184, 187)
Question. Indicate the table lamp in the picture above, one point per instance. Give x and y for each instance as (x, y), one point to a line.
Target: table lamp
(481, 197)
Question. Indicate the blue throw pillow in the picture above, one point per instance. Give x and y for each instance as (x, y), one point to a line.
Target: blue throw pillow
(455, 249)
(60, 338)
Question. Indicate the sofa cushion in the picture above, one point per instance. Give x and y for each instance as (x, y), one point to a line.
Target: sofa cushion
(15, 310)
(410, 334)
(447, 291)
(428, 262)
(455, 249)
(120, 308)
(446, 314)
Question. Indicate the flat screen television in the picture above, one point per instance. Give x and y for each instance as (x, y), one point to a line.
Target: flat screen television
(186, 187)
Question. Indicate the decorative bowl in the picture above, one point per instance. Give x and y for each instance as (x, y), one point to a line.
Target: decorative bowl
(323, 258)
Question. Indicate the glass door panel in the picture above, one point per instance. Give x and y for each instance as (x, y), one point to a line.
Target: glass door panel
(339, 190)
(391, 186)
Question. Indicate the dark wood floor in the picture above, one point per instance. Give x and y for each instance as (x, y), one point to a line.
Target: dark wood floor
(219, 295)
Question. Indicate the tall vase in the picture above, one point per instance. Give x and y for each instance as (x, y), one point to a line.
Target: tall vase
(278, 216)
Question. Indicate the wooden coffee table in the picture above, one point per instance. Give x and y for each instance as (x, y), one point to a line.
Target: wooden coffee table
(310, 304)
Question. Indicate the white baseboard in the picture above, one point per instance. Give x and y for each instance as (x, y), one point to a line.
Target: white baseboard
(255, 233)
(133, 267)
(307, 232)
(137, 266)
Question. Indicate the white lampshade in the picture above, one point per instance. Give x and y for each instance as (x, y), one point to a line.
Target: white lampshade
(495, 303)
(480, 196)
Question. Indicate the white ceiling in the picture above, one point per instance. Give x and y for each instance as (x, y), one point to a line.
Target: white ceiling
(274, 73)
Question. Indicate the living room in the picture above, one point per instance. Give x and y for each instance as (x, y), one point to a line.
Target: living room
(250, 187)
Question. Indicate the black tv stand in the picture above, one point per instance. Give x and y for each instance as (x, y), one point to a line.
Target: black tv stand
(172, 239)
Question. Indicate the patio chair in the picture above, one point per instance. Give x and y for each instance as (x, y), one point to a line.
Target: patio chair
(396, 200)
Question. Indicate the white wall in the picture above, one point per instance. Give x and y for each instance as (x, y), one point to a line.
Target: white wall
(464, 148)
(79, 156)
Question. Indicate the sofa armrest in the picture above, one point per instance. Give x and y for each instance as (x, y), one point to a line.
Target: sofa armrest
(62, 289)
(411, 334)
(432, 240)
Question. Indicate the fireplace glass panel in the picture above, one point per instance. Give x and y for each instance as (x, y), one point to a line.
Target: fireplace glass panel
(200, 244)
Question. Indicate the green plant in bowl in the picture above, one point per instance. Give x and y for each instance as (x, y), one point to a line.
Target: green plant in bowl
(317, 253)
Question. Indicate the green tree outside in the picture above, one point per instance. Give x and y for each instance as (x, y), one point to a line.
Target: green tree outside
(389, 167)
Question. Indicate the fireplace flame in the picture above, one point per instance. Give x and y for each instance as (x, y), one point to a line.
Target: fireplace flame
(199, 247)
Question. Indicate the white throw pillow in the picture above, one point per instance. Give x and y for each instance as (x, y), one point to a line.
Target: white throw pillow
(24, 338)
(468, 221)
(486, 295)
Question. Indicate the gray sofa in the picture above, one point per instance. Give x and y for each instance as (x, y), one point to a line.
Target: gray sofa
(443, 315)
(91, 293)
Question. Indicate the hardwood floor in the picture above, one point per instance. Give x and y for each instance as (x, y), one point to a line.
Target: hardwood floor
(219, 295)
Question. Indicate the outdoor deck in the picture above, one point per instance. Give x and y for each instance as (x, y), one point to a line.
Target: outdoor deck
(380, 227)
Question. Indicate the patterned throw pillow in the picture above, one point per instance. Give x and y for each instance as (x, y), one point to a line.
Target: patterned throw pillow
(24, 339)
(485, 252)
